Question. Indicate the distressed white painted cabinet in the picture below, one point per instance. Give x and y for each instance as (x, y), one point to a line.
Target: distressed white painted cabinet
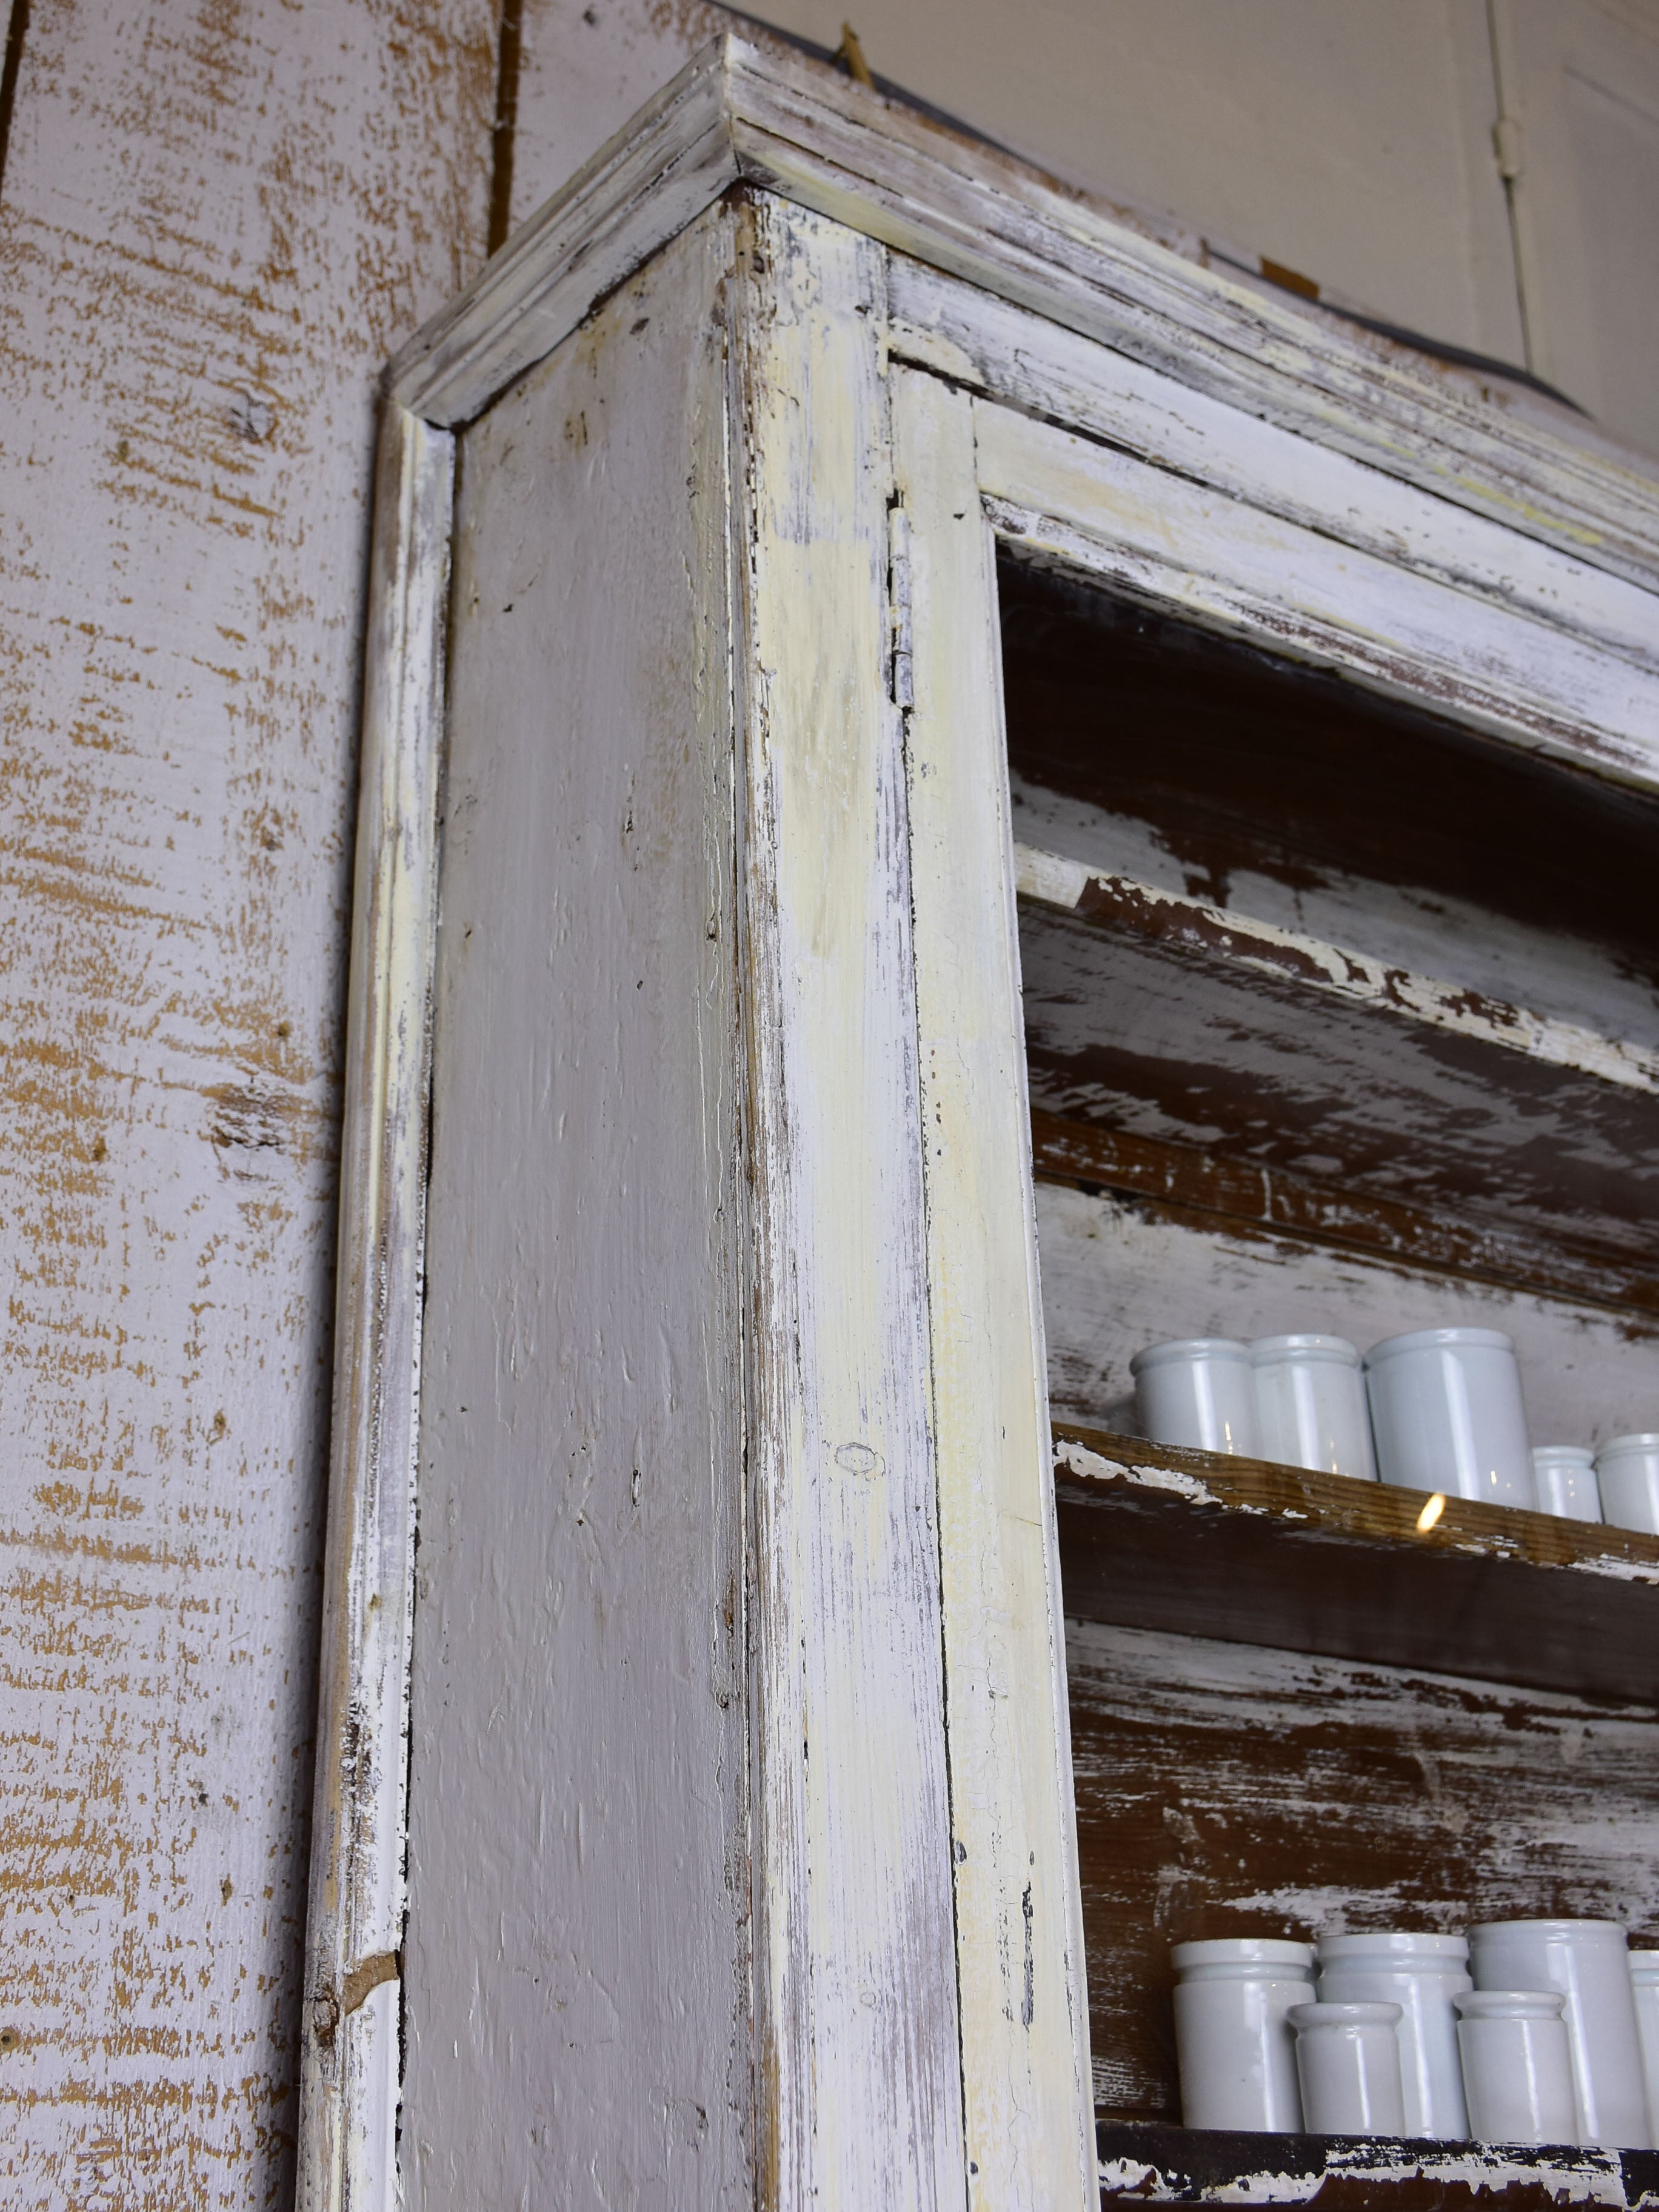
(695, 1785)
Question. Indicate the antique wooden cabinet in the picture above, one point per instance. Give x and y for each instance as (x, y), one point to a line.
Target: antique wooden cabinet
(822, 569)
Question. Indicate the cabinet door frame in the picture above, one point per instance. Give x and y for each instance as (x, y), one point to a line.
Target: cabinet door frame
(1233, 459)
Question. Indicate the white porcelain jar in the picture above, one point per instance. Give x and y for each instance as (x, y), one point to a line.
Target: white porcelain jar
(1565, 1476)
(1645, 1981)
(1517, 2066)
(1588, 1961)
(1311, 1407)
(1627, 1470)
(1421, 1974)
(1446, 1414)
(1198, 1392)
(1234, 2044)
(1348, 2065)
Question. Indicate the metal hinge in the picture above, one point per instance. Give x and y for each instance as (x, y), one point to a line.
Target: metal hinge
(1506, 144)
(900, 685)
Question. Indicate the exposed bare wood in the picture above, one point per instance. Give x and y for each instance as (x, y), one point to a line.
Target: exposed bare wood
(1180, 2166)
(1118, 902)
(1120, 1273)
(215, 223)
(898, 1522)
(1130, 1032)
(1232, 1790)
(1234, 568)
(1192, 1184)
(1155, 1537)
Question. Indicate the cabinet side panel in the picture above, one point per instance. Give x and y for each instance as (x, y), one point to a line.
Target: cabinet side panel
(576, 1969)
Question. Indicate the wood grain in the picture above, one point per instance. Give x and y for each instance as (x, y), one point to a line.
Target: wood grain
(1240, 570)
(1189, 1185)
(1227, 1789)
(1163, 2165)
(216, 222)
(1160, 1538)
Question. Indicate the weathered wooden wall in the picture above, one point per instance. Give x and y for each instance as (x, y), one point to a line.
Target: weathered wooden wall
(215, 221)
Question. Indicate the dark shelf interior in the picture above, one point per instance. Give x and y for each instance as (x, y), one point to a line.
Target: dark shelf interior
(1338, 1017)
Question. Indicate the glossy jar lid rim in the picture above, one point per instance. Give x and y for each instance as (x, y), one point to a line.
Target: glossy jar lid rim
(1358, 2012)
(1645, 1441)
(1394, 1944)
(1495, 1930)
(1336, 1348)
(1428, 1339)
(1242, 1951)
(1190, 1347)
(1510, 2004)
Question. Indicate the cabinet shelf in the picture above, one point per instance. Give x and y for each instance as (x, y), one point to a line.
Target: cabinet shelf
(1162, 2165)
(1250, 1552)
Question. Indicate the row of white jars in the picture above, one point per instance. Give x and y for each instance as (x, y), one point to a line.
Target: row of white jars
(1439, 1409)
(1553, 2038)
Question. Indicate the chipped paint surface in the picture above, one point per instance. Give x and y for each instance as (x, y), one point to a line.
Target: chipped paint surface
(1169, 2166)
(217, 220)
(1226, 1789)
(1146, 910)
(1019, 1939)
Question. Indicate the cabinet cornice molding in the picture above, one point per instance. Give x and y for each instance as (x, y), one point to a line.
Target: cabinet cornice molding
(757, 112)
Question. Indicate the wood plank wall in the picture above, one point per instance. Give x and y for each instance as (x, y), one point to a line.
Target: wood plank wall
(215, 222)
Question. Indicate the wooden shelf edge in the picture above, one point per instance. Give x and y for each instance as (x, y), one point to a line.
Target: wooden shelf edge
(1247, 1551)
(1309, 1503)
(1153, 2163)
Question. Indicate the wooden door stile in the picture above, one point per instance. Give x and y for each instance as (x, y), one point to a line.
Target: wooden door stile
(859, 2075)
(350, 2055)
(1024, 2028)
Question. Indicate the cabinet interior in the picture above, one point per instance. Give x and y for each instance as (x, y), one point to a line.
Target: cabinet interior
(1339, 1017)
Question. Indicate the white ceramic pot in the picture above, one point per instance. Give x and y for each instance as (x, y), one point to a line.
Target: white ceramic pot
(1627, 1470)
(1565, 1476)
(1421, 1974)
(1645, 1981)
(1198, 1392)
(1517, 2066)
(1311, 1407)
(1233, 2042)
(1347, 2063)
(1588, 1961)
(1446, 1414)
